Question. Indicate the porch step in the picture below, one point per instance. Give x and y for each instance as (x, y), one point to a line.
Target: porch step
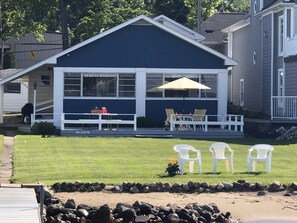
(153, 136)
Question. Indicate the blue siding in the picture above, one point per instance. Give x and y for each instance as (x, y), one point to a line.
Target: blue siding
(112, 106)
(141, 46)
(155, 110)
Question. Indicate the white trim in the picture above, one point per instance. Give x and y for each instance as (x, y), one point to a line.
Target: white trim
(58, 98)
(275, 8)
(140, 92)
(255, 7)
(222, 92)
(135, 70)
(53, 60)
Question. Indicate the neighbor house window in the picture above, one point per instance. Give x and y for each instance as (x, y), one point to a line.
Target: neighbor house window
(289, 23)
(241, 91)
(45, 80)
(13, 88)
(281, 86)
(72, 84)
(280, 35)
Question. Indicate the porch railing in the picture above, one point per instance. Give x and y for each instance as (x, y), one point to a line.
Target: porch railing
(41, 106)
(97, 121)
(42, 117)
(284, 107)
(230, 122)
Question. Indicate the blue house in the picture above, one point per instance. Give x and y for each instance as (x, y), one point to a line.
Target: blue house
(121, 68)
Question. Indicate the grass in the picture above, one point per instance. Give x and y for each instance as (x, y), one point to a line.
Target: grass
(116, 160)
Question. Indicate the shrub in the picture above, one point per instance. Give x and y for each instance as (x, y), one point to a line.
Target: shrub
(43, 128)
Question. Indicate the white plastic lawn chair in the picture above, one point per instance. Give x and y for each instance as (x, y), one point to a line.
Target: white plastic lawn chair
(264, 154)
(184, 156)
(218, 151)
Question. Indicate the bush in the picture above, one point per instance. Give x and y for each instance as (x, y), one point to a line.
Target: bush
(43, 128)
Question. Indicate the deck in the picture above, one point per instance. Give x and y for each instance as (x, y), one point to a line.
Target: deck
(18, 205)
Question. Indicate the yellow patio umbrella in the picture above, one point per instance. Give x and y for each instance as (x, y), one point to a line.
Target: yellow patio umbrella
(183, 83)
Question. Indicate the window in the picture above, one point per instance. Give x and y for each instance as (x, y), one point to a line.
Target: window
(99, 85)
(281, 86)
(153, 81)
(72, 84)
(289, 23)
(241, 89)
(126, 85)
(280, 36)
(254, 58)
(13, 88)
(45, 80)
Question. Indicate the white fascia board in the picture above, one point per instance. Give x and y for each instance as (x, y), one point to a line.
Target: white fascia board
(196, 35)
(237, 26)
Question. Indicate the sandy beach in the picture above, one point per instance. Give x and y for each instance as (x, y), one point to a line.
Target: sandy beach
(245, 207)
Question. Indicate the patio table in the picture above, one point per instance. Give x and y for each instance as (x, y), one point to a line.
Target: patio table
(184, 118)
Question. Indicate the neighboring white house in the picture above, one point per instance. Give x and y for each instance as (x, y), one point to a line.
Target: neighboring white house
(15, 93)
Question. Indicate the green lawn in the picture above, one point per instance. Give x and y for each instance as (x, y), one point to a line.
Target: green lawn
(117, 160)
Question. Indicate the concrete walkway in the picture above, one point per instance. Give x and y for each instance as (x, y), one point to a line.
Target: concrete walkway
(6, 159)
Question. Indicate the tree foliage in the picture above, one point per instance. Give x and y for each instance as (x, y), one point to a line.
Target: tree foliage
(86, 18)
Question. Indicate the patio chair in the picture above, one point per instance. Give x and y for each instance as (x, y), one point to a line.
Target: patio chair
(184, 156)
(219, 152)
(169, 112)
(199, 115)
(264, 154)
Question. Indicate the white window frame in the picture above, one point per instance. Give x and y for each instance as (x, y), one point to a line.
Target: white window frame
(280, 86)
(241, 92)
(281, 35)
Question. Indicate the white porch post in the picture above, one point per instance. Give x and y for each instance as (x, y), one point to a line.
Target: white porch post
(140, 93)
(1, 103)
(34, 104)
(222, 92)
(58, 95)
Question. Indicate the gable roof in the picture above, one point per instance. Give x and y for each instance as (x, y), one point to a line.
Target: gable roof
(142, 18)
(179, 27)
(213, 26)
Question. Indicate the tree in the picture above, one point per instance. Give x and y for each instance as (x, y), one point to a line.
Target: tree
(208, 9)
(234, 6)
(174, 9)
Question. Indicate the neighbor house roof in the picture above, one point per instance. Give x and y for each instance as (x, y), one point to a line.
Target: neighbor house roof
(139, 19)
(212, 28)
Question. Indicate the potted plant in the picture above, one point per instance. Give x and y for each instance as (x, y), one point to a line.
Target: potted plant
(172, 167)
